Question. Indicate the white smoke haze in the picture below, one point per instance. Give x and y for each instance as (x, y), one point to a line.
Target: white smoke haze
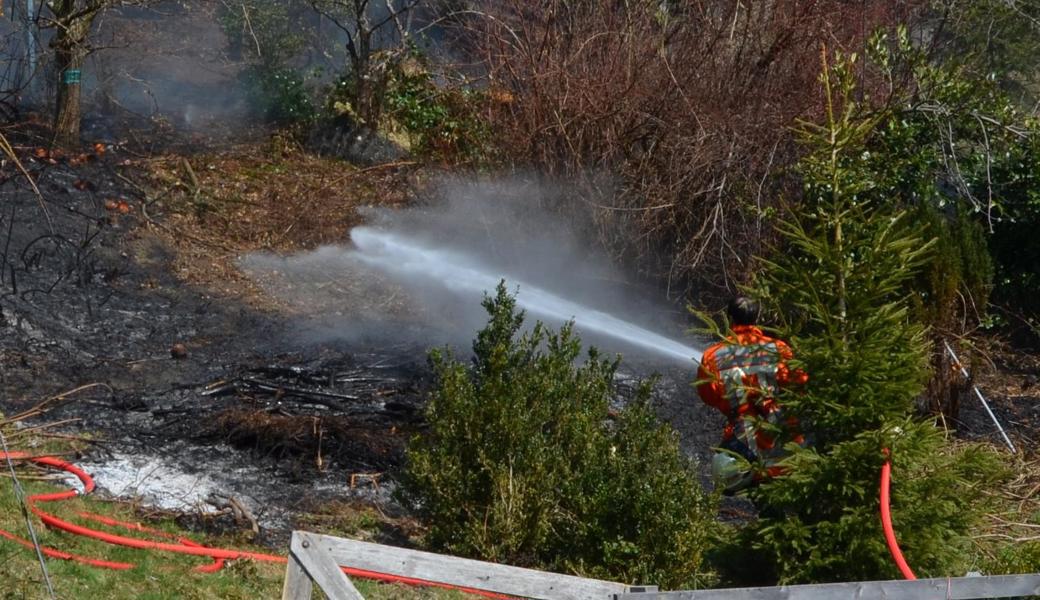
(419, 275)
(170, 63)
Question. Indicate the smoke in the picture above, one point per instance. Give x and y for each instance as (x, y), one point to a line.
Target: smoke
(173, 63)
(168, 62)
(419, 275)
(209, 68)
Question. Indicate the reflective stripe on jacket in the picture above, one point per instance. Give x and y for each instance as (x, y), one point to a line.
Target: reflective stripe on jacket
(741, 377)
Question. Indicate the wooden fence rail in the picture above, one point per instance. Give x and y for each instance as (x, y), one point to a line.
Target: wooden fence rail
(316, 559)
(310, 563)
(952, 588)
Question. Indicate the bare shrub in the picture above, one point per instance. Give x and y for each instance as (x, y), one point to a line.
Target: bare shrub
(685, 106)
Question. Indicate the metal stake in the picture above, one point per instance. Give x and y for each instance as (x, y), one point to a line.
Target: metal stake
(20, 494)
(985, 404)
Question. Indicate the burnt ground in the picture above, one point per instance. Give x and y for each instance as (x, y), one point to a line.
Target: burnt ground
(1009, 379)
(141, 265)
(134, 249)
(130, 258)
(95, 290)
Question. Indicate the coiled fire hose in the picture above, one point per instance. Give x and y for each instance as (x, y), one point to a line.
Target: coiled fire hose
(886, 520)
(177, 544)
(181, 545)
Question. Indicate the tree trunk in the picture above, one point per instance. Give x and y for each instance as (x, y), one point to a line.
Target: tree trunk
(366, 102)
(947, 386)
(70, 52)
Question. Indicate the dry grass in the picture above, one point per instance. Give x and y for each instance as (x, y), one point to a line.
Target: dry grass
(211, 209)
(316, 439)
(362, 522)
(1010, 539)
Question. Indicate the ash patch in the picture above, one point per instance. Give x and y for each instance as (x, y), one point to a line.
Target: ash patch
(214, 487)
(154, 482)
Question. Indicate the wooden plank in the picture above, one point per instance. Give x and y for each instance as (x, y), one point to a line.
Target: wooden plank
(491, 577)
(298, 584)
(953, 588)
(322, 567)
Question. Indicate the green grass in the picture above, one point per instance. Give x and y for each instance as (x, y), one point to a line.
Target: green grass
(157, 575)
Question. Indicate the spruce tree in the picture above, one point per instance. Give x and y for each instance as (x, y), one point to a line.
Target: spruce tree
(841, 285)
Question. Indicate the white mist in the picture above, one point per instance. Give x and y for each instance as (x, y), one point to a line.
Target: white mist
(400, 256)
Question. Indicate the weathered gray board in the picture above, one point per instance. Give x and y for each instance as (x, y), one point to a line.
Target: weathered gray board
(298, 583)
(954, 588)
(309, 560)
(502, 579)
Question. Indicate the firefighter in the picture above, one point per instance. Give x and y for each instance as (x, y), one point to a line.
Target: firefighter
(741, 377)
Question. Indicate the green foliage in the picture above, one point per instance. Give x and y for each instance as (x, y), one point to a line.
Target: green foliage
(269, 35)
(842, 282)
(438, 121)
(1015, 558)
(827, 508)
(430, 119)
(958, 279)
(280, 95)
(996, 40)
(1014, 244)
(844, 276)
(521, 463)
(267, 32)
(955, 150)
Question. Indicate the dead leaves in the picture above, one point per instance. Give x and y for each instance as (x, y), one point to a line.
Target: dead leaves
(116, 205)
(84, 185)
(53, 156)
(48, 156)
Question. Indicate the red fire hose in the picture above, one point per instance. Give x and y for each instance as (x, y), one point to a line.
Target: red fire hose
(219, 555)
(178, 544)
(886, 521)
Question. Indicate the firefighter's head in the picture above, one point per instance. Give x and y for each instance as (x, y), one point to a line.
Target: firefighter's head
(742, 311)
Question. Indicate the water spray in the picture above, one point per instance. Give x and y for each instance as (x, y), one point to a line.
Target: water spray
(410, 260)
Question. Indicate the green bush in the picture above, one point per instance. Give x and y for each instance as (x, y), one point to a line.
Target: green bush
(844, 275)
(521, 463)
(955, 285)
(1014, 243)
(280, 95)
(438, 121)
(952, 148)
(824, 520)
(269, 35)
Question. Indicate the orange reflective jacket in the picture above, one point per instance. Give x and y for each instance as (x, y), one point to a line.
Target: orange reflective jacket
(741, 377)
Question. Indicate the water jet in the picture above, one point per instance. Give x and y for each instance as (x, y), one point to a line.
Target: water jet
(409, 260)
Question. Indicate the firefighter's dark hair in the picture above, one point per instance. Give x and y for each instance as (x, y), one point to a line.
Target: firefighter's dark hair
(743, 311)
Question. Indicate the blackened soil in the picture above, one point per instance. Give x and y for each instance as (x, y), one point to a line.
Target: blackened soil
(1008, 379)
(88, 295)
